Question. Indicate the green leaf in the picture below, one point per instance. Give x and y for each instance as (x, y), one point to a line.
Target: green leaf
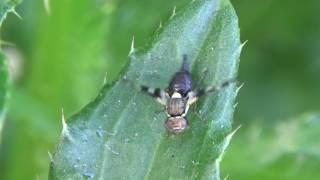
(7, 6)
(120, 135)
(4, 86)
(74, 55)
(289, 150)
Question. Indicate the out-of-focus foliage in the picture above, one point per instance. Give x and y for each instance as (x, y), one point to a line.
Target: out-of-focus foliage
(288, 150)
(4, 94)
(280, 68)
(280, 64)
(6, 7)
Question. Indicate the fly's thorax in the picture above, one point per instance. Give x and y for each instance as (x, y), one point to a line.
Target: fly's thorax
(176, 105)
(176, 124)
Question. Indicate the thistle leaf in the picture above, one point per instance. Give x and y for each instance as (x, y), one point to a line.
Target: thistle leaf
(121, 135)
(6, 7)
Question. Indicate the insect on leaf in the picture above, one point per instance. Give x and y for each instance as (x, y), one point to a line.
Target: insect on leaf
(121, 135)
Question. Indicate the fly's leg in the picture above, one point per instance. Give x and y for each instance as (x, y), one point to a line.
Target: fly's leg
(157, 93)
(196, 94)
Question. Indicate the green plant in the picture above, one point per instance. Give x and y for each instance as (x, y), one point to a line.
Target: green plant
(120, 135)
(5, 8)
(4, 83)
(285, 151)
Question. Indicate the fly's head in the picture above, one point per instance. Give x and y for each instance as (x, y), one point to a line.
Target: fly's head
(176, 124)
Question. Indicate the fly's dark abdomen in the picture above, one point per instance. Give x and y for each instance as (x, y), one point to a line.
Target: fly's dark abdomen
(181, 83)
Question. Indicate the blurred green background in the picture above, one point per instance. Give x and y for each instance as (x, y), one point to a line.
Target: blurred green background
(63, 49)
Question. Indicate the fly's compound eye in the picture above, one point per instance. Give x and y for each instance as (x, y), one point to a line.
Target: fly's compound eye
(176, 125)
